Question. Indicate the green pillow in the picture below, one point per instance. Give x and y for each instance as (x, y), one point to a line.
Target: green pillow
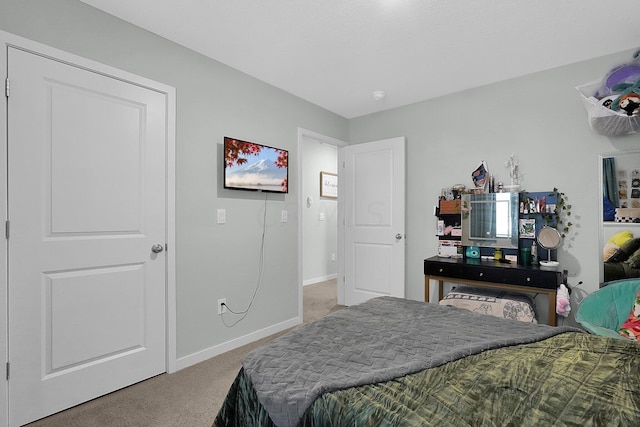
(626, 251)
(634, 260)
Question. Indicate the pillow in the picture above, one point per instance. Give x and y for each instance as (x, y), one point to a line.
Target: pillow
(609, 251)
(631, 245)
(627, 249)
(634, 260)
(631, 327)
(494, 302)
(620, 237)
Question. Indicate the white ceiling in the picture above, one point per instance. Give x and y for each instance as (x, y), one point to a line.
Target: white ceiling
(336, 53)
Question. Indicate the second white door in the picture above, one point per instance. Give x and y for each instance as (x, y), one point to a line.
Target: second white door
(372, 177)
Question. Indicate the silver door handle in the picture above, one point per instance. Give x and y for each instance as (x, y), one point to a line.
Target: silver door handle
(398, 236)
(157, 248)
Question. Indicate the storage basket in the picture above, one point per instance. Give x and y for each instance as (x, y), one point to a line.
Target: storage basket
(602, 119)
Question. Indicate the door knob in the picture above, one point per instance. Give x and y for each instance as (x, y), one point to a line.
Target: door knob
(398, 236)
(157, 248)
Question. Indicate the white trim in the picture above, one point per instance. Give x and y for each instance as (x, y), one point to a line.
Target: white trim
(4, 302)
(208, 353)
(319, 279)
(6, 40)
(171, 320)
(318, 137)
(341, 230)
(305, 133)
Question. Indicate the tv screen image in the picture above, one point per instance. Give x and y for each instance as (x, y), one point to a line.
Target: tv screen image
(255, 167)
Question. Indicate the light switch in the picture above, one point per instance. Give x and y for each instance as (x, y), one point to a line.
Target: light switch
(284, 216)
(321, 216)
(222, 216)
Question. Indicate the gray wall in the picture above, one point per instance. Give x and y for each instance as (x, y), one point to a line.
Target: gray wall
(537, 117)
(213, 100)
(540, 119)
(319, 236)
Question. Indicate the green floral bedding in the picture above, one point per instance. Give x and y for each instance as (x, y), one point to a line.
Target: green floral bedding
(571, 379)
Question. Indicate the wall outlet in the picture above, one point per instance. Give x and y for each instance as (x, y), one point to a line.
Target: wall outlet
(222, 308)
(333, 257)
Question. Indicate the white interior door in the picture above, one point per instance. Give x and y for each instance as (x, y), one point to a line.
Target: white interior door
(86, 203)
(373, 184)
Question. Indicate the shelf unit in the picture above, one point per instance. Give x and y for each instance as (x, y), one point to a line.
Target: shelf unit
(449, 217)
(539, 206)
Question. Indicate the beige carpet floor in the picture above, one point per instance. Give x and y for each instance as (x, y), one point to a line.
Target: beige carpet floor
(190, 397)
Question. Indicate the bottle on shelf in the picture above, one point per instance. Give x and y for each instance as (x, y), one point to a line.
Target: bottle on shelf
(534, 254)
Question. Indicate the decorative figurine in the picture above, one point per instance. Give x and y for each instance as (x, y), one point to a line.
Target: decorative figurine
(514, 173)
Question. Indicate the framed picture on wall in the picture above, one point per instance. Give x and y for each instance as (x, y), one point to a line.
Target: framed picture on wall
(329, 185)
(527, 228)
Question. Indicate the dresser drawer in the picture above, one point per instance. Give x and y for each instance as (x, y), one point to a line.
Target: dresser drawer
(443, 269)
(495, 275)
(534, 278)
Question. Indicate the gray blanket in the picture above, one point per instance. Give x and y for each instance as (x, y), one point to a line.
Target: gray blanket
(376, 341)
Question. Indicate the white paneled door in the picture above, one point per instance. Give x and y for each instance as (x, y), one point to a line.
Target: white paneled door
(373, 176)
(87, 212)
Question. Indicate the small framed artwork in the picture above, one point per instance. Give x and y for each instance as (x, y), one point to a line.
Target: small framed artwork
(329, 185)
(622, 193)
(528, 228)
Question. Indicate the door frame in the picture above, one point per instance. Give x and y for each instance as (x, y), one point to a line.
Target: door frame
(314, 136)
(8, 39)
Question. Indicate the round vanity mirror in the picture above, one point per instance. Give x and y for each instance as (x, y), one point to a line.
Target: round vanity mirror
(549, 238)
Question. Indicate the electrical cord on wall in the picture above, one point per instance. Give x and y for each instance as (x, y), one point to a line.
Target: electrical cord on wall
(244, 313)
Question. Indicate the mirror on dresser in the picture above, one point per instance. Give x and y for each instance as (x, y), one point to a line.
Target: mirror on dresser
(490, 220)
(619, 211)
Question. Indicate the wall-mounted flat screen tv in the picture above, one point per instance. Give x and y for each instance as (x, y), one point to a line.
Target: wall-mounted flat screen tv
(255, 167)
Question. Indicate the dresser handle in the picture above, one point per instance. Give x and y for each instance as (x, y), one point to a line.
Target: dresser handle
(528, 279)
(441, 270)
(481, 274)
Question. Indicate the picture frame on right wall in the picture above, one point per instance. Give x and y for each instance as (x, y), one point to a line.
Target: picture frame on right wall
(328, 185)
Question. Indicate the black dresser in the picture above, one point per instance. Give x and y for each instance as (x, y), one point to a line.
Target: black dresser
(493, 274)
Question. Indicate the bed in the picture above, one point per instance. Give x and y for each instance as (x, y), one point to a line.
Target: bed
(396, 362)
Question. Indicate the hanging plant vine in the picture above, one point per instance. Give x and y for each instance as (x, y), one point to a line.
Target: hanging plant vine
(562, 213)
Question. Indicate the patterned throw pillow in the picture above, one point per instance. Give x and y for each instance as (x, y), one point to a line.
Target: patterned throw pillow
(610, 251)
(634, 260)
(631, 327)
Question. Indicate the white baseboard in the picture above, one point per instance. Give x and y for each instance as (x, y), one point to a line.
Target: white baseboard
(201, 356)
(319, 279)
